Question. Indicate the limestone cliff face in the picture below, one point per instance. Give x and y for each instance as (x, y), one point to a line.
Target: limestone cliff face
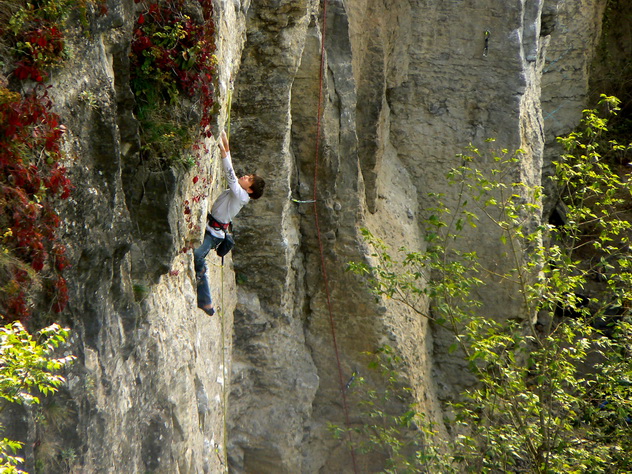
(407, 85)
(149, 390)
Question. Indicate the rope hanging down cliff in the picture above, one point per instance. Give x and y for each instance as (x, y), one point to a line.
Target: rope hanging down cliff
(332, 324)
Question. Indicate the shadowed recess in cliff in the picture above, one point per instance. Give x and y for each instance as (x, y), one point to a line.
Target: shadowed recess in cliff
(149, 194)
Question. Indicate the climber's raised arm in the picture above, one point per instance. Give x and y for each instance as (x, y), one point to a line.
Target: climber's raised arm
(223, 144)
(238, 187)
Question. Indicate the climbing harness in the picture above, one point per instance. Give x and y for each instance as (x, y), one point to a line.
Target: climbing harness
(332, 324)
(215, 224)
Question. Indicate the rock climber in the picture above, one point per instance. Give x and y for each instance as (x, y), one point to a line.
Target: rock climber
(226, 206)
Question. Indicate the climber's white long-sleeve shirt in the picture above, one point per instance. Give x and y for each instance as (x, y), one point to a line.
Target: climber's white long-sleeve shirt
(230, 202)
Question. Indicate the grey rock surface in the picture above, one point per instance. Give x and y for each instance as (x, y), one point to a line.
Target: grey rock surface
(407, 85)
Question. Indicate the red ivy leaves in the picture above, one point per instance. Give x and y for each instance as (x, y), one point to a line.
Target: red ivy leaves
(60, 294)
(31, 181)
(187, 58)
(37, 49)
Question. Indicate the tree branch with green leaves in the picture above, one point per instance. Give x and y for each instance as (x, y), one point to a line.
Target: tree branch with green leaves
(554, 382)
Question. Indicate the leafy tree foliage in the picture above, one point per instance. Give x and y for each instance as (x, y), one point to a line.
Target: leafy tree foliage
(28, 367)
(554, 383)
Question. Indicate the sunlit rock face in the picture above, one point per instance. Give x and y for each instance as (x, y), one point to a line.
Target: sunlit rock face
(406, 86)
(149, 390)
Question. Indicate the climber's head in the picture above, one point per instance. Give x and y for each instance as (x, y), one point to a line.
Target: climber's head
(253, 184)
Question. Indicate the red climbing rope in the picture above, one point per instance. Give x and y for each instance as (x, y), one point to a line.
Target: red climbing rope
(323, 267)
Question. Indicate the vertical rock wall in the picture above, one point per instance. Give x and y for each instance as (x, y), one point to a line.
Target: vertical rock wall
(273, 372)
(148, 391)
(407, 85)
(576, 29)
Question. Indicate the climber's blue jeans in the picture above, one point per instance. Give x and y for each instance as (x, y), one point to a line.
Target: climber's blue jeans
(199, 259)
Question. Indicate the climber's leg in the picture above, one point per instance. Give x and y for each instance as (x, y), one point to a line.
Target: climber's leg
(205, 302)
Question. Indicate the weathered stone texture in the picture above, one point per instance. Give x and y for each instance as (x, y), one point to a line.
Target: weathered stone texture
(407, 85)
(566, 73)
(147, 393)
(570, 53)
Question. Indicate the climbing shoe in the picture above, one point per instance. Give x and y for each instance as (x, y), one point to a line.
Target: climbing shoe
(210, 311)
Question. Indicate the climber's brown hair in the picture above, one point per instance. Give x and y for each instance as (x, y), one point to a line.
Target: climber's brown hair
(257, 186)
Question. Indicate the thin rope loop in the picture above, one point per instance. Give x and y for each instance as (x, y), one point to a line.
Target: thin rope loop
(332, 324)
